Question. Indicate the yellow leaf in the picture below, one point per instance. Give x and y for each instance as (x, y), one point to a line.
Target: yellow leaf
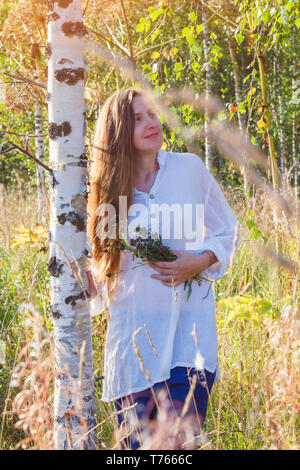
(155, 55)
(164, 146)
(260, 110)
(261, 124)
(173, 52)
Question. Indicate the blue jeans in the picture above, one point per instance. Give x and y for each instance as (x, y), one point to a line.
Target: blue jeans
(176, 390)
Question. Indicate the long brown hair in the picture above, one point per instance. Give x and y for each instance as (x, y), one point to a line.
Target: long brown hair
(111, 176)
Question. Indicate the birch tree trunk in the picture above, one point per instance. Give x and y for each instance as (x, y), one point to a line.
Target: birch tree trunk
(74, 383)
(208, 155)
(294, 126)
(237, 92)
(277, 98)
(39, 153)
(267, 116)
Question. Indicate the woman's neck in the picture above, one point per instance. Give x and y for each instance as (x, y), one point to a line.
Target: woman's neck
(145, 166)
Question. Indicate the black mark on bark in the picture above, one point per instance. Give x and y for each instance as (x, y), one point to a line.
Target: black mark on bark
(54, 267)
(72, 28)
(74, 218)
(55, 313)
(83, 160)
(59, 130)
(69, 76)
(54, 181)
(73, 298)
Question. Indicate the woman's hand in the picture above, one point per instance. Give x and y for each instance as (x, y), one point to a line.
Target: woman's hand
(92, 287)
(187, 265)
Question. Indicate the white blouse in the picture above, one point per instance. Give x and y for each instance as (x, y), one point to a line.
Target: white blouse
(154, 328)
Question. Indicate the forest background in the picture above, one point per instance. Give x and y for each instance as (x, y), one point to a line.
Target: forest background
(244, 55)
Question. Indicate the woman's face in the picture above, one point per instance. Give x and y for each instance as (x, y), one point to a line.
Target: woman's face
(147, 136)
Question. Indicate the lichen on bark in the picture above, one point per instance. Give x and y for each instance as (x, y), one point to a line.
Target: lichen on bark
(69, 76)
(71, 299)
(74, 218)
(74, 28)
(55, 266)
(59, 130)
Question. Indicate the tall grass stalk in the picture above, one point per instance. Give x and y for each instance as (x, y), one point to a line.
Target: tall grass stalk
(255, 405)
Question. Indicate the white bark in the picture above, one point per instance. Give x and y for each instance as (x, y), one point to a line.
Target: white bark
(208, 155)
(74, 387)
(39, 153)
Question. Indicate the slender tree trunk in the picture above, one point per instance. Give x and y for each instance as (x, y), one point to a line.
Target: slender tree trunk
(277, 91)
(237, 91)
(38, 126)
(267, 115)
(39, 153)
(294, 127)
(272, 155)
(74, 384)
(208, 154)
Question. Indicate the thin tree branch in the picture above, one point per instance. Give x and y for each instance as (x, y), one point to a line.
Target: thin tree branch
(127, 30)
(223, 17)
(113, 43)
(26, 80)
(28, 154)
(158, 45)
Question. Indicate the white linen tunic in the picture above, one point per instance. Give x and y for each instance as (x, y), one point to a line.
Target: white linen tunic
(154, 321)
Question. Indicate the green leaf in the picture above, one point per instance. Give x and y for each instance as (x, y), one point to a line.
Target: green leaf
(241, 108)
(239, 38)
(185, 31)
(156, 13)
(250, 224)
(265, 17)
(196, 66)
(193, 16)
(140, 27)
(191, 38)
(178, 66)
(297, 22)
(197, 49)
(155, 34)
(255, 233)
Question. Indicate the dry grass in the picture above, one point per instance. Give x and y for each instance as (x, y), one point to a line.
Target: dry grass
(254, 406)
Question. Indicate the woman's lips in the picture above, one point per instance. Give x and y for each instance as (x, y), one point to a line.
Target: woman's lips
(152, 136)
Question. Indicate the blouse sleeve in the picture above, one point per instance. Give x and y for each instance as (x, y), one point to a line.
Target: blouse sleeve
(221, 230)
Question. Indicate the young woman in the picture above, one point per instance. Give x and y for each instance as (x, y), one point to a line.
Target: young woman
(156, 335)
